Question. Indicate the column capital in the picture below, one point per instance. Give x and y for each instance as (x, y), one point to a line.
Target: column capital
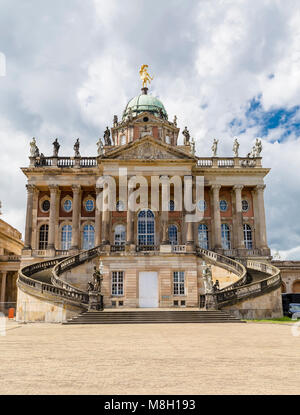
(30, 188)
(76, 188)
(260, 187)
(54, 188)
(238, 187)
(216, 187)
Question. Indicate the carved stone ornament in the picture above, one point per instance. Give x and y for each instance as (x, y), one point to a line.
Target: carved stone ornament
(148, 151)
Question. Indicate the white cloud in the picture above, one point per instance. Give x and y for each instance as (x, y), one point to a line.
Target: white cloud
(71, 66)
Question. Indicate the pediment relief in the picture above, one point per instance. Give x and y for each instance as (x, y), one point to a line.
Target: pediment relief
(148, 149)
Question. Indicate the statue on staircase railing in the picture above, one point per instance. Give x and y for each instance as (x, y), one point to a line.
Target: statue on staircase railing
(209, 288)
(94, 287)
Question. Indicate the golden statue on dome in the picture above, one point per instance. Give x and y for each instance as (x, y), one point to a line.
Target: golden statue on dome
(145, 77)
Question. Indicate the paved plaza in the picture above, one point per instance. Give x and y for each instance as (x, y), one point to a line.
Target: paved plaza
(252, 358)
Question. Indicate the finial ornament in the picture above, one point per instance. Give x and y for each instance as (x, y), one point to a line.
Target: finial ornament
(145, 77)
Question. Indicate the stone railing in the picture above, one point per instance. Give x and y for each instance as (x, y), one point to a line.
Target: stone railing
(178, 248)
(63, 162)
(10, 258)
(224, 262)
(41, 289)
(117, 248)
(69, 263)
(235, 294)
(146, 248)
(228, 162)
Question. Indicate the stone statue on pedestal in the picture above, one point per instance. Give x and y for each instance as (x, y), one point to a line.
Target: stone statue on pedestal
(214, 147)
(175, 121)
(107, 140)
(235, 148)
(56, 147)
(207, 279)
(34, 151)
(76, 148)
(115, 121)
(186, 135)
(193, 146)
(100, 149)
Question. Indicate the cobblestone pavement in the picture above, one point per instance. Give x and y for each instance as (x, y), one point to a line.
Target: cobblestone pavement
(150, 359)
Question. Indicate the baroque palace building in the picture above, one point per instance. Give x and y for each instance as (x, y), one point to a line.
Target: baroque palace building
(10, 255)
(152, 257)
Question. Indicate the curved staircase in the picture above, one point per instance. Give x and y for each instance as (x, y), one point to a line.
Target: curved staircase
(42, 281)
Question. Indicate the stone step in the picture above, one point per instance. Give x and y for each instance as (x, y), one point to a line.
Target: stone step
(148, 317)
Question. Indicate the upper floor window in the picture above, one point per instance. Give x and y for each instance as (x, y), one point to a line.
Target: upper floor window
(203, 236)
(146, 227)
(171, 206)
(120, 235)
(120, 206)
(46, 205)
(248, 236)
(88, 237)
(245, 205)
(43, 236)
(225, 233)
(66, 237)
(201, 205)
(223, 205)
(172, 232)
(178, 283)
(67, 205)
(89, 205)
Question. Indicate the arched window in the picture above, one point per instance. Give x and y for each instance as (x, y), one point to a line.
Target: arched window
(88, 236)
(203, 236)
(225, 233)
(171, 206)
(146, 230)
(172, 232)
(120, 235)
(66, 237)
(43, 237)
(248, 236)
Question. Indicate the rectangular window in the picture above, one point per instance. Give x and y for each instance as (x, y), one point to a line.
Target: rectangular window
(117, 283)
(178, 282)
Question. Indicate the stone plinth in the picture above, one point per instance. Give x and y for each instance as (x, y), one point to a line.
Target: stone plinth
(95, 301)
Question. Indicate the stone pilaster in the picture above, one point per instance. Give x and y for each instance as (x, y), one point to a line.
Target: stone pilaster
(75, 217)
(105, 225)
(98, 217)
(28, 227)
(216, 216)
(238, 228)
(164, 225)
(54, 193)
(261, 215)
(34, 242)
(3, 286)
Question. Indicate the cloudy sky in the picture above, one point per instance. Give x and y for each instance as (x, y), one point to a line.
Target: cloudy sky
(225, 67)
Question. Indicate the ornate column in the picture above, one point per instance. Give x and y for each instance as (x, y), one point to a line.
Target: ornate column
(98, 216)
(105, 224)
(75, 216)
(164, 224)
(54, 192)
(3, 286)
(130, 223)
(259, 190)
(238, 228)
(28, 227)
(34, 240)
(216, 216)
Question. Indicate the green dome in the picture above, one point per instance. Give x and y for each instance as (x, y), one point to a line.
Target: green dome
(144, 102)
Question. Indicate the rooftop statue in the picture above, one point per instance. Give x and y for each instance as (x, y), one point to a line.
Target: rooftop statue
(106, 136)
(186, 135)
(193, 146)
(214, 147)
(175, 121)
(236, 147)
(76, 148)
(56, 147)
(256, 149)
(145, 77)
(100, 149)
(115, 122)
(34, 151)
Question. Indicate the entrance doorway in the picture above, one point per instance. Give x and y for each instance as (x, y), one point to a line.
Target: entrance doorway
(148, 289)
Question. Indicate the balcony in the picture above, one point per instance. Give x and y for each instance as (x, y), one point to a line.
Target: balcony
(117, 248)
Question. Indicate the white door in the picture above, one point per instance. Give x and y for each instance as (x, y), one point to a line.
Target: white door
(148, 289)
